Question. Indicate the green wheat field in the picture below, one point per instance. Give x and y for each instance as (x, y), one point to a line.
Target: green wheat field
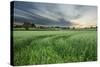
(50, 47)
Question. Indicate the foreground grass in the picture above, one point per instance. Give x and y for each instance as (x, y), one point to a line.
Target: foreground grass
(46, 47)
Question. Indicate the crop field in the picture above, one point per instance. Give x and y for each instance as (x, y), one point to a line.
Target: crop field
(50, 47)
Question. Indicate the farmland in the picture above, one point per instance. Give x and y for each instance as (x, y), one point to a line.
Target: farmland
(47, 47)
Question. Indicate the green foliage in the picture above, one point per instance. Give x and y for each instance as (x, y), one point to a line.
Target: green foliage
(53, 29)
(46, 47)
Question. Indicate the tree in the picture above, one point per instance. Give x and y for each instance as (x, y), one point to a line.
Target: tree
(57, 27)
(33, 25)
(73, 28)
(26, 25)
(67, 27)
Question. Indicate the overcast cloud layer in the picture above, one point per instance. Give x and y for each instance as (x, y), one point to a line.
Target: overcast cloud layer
(55, 14)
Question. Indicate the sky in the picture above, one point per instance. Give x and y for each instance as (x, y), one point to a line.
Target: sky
(52, 14)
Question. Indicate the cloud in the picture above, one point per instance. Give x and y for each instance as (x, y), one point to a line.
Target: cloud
(89, 17)
(54, 14)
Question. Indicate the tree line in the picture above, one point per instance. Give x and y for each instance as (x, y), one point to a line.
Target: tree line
(27, 25)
